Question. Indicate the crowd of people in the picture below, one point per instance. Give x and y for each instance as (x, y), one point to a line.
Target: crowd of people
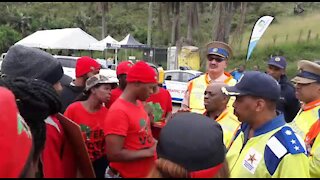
(239, 124)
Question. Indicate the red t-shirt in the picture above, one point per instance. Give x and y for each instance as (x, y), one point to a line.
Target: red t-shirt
(131, 121)
(163, 98)
(115, 94)
(91, 125)
(57, 150)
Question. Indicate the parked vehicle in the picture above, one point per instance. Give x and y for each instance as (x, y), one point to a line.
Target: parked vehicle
(176, 82)
(69, 64)
(1, 59)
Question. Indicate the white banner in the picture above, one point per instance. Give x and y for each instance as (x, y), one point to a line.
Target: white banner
(259, 28)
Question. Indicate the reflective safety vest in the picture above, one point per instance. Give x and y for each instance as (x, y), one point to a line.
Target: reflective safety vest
(307, 125)
(229, 124)
(273, 151)
(196, 90)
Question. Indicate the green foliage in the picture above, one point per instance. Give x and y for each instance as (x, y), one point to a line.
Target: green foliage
(8, 37)
(293, 53)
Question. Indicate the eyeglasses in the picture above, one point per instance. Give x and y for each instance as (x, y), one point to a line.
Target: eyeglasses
(216, 58)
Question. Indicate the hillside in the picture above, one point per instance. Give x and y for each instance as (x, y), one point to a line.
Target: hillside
(286, 32)
(19, 19)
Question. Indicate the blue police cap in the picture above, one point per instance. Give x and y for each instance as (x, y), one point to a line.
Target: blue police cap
(278, 61)
(220, 49)
(255, 83)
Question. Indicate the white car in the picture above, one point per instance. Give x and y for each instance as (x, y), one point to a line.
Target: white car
(176, 82)
(69, 67)
(1, 59)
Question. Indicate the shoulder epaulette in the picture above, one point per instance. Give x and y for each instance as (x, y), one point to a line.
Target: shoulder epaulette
(283, 142)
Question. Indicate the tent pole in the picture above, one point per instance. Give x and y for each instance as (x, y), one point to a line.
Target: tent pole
(116, 56)
(126, 54)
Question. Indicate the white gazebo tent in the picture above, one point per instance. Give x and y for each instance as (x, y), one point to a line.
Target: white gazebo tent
(68, 38)
(106, 43)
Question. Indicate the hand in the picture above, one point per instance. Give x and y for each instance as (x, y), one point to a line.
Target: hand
(183, 110)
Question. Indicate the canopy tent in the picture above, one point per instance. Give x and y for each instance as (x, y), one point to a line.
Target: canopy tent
(106, 43)
(130, 42)
(102, 45)
(68, 38)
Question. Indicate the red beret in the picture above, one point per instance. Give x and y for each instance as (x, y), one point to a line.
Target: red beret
(85, 65)
(15, 137)
(142, 72)
(124, 67)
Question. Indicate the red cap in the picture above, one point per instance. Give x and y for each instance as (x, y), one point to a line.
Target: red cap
(85, 65)
(142, 72)
(124, 67)
(15, 137)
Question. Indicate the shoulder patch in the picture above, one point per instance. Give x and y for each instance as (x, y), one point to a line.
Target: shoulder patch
(291, 141)
(283, 142)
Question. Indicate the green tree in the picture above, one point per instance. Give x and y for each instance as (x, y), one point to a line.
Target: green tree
(8, 36)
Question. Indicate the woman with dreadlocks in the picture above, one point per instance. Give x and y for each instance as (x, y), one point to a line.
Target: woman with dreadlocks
(57, 158)
(36, 100)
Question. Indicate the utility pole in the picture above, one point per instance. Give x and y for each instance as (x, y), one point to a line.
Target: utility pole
(149, 24)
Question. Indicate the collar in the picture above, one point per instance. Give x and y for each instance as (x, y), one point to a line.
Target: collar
(221, 116)
(225, 77)
(277, 122)
(311, 105)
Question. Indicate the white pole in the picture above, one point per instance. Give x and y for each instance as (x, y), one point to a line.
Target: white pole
(116, 57)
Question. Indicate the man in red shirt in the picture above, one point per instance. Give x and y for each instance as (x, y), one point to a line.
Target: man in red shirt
(122, 71)
(129, 142)
(160, 102)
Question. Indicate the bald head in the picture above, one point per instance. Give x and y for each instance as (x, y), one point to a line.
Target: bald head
(214, 99)
(216, 88)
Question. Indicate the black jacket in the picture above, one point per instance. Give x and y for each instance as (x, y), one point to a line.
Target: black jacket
(288, 103)
(70, 94)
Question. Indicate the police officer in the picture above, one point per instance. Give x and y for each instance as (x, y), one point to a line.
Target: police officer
(215, 103)
(264, 146)
(288, 103)
(307, 121)
(218, 54)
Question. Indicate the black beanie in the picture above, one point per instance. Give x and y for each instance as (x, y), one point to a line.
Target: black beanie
(31, 63)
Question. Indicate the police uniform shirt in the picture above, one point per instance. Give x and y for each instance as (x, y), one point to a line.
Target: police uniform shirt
(273, 151)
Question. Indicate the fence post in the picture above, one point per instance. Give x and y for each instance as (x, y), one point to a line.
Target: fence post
(274, 39)
(300, 34)
(287, 36)
(309, 34)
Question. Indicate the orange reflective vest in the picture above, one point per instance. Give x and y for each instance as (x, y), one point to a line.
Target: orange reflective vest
(196, 89)
(307, 125)
(229, 124)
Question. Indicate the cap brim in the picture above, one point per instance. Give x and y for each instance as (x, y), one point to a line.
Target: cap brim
(302, 80)
(213, 53)
(276, 65)
(232, 91)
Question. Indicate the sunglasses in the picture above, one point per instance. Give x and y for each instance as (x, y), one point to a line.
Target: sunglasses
(216, 58)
